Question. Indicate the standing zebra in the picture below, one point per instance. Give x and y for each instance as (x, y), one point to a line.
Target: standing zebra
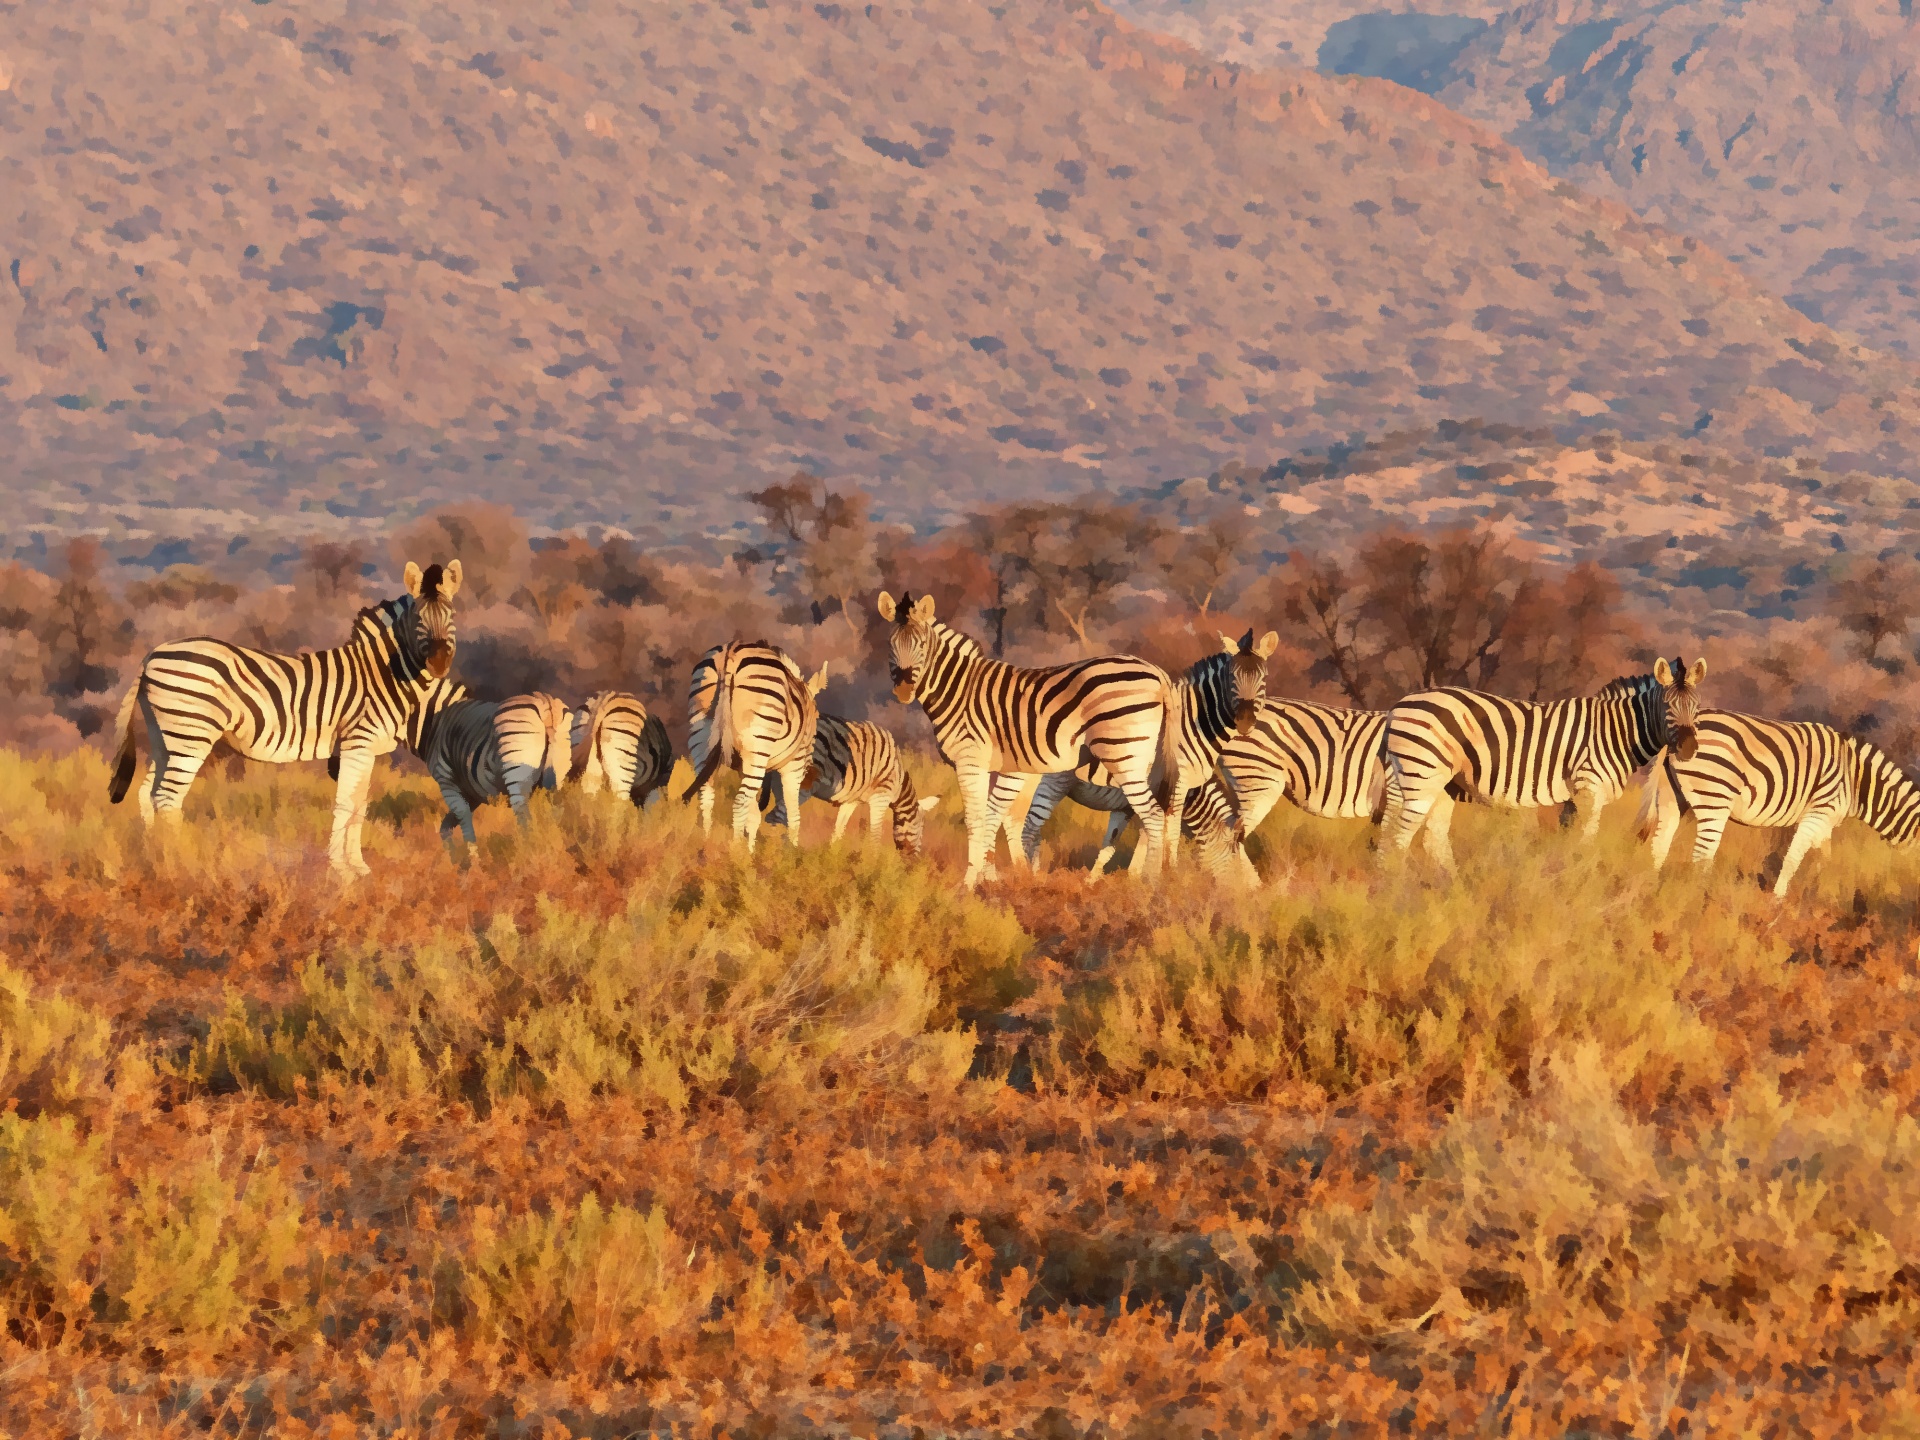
(1574, 753)
(762, 718)
(479, 750)
(1219, 697)
(1776, 773)
(995, 721)
(349, 706)
(856, 763)
(703, 713)
(627, 749)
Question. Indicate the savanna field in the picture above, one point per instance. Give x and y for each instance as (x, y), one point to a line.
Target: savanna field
(614, 1131)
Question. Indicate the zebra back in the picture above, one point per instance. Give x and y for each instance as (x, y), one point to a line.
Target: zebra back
(1330, 761)
(475, 746)
(1884, 795)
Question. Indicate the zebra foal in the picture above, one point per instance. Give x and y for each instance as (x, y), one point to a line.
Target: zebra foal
(479, 750)
(855, 764)
(1448, 744)
(749, 707)
(348, 706)
(626, 749)
(995, 721)
(1774, 773)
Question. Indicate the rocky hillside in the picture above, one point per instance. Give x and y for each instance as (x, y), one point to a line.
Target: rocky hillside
(276, 269)
(1786, 136)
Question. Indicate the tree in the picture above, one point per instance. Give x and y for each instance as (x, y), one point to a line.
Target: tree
(837, 559)
(1083, 560)
(1008, 539)
(1198, 559)
(334, 568)
(489, 540)
(1322, 601)
(1876, 601)
(1440, 609)
(86, 629)
(1562, 637)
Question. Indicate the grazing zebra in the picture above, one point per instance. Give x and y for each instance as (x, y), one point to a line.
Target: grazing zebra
(1219, 697)
(348, 706)
(479, 750)
(1776, 773)
(856, 763)
(761, 718)
(627, 749)
(995, 721)
(1448, 744)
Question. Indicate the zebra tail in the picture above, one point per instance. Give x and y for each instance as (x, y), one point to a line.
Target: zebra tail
(719, 739)
(124, 760)
(1168, 762)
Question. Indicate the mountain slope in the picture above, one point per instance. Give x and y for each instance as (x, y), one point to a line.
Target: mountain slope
(1786, 135)
(363, 258)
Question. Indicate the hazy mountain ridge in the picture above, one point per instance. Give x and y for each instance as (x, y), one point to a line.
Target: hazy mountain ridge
(296, 270)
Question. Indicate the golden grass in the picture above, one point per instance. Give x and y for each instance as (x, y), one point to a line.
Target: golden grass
(606, 1128)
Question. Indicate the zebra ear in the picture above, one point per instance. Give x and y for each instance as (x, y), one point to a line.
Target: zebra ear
(923, 609)
(818, 681)
(414, 579)
(1662, 671)
(1698, 672)
(927, 802)
(1229, 645)
(886, 606)
(450, 580)
(1269, 643)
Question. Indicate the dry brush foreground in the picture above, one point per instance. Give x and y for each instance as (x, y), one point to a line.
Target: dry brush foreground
(616, 1132)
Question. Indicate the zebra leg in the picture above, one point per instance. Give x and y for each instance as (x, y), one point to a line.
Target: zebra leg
(1810, 834)
(459, 813)
(876, 807)
(1590, 802)
(350, 811)
(1407, 808)
(1153, 826)
(1709, 828)
(1437, 838)
(1003, 790)
(1046, 798)
(706, 808)
(1666, 826)
(842, 815)
(793, 781)
(746, 807)
(518, 781)
(983, 821)
(1116, 822)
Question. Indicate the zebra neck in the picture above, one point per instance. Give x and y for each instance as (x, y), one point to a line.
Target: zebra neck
(378, 630)
(953, 661)
(1207, 700)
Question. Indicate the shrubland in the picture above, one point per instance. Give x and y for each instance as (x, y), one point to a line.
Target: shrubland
(605, 1128)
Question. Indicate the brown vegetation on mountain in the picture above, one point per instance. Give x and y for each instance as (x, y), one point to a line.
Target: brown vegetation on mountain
(327, 263)
(1785, 136)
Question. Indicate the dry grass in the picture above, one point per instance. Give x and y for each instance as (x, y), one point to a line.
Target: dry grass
(612, 1131)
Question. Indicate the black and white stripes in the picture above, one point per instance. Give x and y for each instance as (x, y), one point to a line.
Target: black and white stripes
(1749, 771)
(478, 750)
(992, 720)
(856, 764)
(749, 707)
(350, 705)
(1448, 744)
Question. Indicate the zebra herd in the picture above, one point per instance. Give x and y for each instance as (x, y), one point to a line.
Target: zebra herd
(1207, 753)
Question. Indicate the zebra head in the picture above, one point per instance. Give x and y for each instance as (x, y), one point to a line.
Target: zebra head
(1680, 702)
(427, 633)
(910, 642)
(909, 813)
(1249, 674)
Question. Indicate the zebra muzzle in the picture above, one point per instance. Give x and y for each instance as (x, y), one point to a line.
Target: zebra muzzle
(439, 658)
(1685, 742)
(1243, 716)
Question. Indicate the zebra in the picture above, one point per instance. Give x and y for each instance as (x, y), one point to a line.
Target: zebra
(995, 722)
(1776, 773)
(627, 749)
(702, 708)
(857, 763)
(349, 706)
(1219, 697)
(478, 750)
(761, 718)
(1447, 745)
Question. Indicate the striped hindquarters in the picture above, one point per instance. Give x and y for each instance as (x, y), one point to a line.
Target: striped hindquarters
(712, 672)
(623, 747)
(853, 761)
(479, 748)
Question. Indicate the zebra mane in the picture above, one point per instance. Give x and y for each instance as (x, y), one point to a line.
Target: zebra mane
(1626, 685)
(957, 639)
